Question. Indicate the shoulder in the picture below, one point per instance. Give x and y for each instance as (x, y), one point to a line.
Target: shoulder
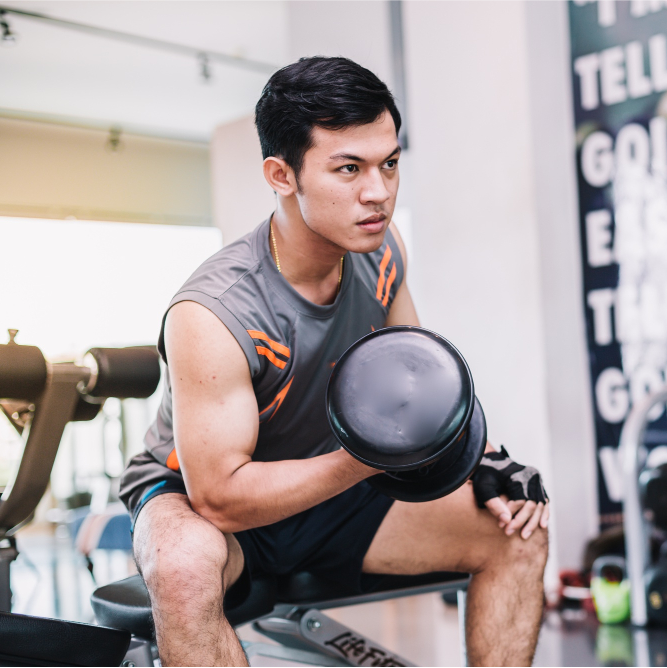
(220, 272)
(197, 342)
(383, 270)
(230, 284)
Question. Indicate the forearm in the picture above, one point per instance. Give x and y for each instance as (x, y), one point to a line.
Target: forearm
(261, 493)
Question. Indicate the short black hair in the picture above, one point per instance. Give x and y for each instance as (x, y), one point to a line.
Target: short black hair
(331, 93)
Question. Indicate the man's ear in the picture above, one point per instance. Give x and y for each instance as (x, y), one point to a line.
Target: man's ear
(280, 176)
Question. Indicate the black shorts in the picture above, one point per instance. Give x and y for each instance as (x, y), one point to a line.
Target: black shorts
(329, 540)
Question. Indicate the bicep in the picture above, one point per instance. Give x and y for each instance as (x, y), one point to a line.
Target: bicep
(214, 406)
(402, 311)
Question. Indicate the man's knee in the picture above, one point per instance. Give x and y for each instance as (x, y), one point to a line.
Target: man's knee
(528, 556)
(504, 553)
(181, 560)
(182, 569)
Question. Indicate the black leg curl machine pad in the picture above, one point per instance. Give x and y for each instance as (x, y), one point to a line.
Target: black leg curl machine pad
(402, 400)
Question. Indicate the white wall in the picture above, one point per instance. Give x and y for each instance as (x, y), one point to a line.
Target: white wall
(241, 197)
(476, 267)
(496, 265)
(54, 171)
(357, 30)
(571, 428)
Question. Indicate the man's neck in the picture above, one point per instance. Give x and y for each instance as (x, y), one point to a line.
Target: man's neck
(308, 261)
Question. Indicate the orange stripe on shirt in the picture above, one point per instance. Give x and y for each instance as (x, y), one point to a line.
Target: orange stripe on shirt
(383, 268)
(172, 461)
(390, 281)
(261, 350)
(278, 347)
(280, 397)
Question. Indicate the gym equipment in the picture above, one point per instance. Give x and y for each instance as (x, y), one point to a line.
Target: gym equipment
(637, 534)
(610, 589)
(39, 399)
(653, 494)
(637, 530)
(655, 580)
(402, 400)
(287, 609)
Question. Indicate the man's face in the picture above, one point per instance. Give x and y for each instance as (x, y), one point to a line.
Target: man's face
(348, 184)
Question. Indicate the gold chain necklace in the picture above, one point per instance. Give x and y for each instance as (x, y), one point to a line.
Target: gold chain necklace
(280, 271)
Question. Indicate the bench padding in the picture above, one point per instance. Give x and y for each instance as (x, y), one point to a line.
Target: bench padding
(37, 641)
(126, 604)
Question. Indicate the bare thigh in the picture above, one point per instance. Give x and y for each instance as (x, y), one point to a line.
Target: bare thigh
(173, 543)
(448, 534)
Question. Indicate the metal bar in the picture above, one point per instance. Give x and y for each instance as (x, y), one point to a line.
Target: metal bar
(8, 553)
(636, 535)
(139, 653)
(53, 411)
(640, 646)
(398, 66)
(290, 654)
(461, 598)
(437, 587)
(310, 628)
(150, 42)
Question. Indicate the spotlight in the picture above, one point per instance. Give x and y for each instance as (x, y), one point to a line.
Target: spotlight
(8, 37)
(114, 142)
(204, 67)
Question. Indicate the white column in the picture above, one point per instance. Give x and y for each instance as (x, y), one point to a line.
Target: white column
(569, 395)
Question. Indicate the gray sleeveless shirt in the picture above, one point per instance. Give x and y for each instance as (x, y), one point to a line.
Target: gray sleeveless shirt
(290, 343)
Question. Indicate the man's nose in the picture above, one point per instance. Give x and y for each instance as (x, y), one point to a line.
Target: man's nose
(375, 190)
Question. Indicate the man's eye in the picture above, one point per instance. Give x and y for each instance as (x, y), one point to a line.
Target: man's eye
(349, 169)
(391, 163)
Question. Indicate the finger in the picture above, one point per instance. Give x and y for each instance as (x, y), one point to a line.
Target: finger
(544, 521)
(516, 505)
(521, 517)
(499, 510)
(532, 523)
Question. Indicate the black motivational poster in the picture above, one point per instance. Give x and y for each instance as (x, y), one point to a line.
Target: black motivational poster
(619, 81)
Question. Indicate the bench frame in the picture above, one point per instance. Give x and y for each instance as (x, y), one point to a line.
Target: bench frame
(305, 635)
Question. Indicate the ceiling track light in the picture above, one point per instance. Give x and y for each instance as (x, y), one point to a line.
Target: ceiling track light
(129, 38)
(204, 67)
(8, 37)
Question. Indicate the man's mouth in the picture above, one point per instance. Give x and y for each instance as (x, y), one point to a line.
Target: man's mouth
(373, 223)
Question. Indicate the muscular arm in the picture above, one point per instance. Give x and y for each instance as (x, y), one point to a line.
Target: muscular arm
(216, 425)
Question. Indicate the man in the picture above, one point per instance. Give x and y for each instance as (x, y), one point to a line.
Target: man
(242, 474)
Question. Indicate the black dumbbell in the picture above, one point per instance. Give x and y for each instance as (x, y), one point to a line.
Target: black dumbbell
(402, 400)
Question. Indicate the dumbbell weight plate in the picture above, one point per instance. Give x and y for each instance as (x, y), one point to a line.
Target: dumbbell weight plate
(443, 476)
(399, 397)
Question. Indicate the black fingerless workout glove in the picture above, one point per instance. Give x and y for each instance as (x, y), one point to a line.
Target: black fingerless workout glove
(497, 474)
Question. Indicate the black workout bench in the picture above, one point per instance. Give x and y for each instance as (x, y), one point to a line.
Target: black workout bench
(287, 610)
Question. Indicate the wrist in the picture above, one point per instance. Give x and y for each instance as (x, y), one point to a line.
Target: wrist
(357, 470)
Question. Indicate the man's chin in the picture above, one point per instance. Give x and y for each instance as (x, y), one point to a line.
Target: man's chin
(369, 244)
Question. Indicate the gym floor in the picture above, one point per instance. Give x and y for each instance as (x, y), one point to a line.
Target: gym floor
(51, 579)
